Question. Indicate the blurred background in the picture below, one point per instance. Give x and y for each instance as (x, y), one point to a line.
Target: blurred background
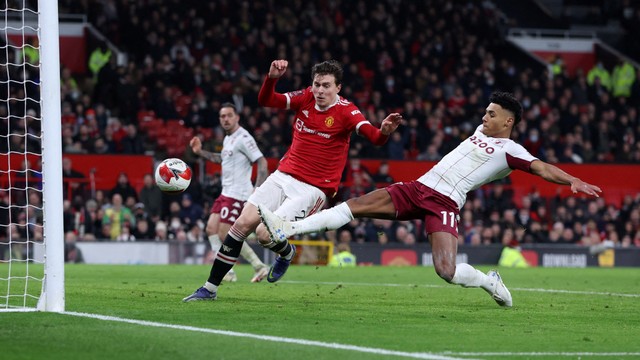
(141, 78)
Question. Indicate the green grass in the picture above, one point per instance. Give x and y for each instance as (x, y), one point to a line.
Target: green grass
(408, 310)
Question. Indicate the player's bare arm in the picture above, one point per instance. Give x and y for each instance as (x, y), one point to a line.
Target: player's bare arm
(278, 68)
(390, 123)
(263, 171)
(196, 147)
(556, 175)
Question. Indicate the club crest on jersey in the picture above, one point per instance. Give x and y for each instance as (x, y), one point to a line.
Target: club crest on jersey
(329, 121)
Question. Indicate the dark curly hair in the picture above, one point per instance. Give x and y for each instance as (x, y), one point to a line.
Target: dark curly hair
(509, 102)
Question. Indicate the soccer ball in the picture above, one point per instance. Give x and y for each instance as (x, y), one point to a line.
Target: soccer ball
(173, 176)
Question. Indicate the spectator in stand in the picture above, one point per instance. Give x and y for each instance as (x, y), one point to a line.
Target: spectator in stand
(151, 197)
(132, 143)
(161, 231)
(190, 212)
(90, 221)
(117, 217)
(395, 147)
(74, 181)
(72, 254)
(143, 230)
(164, 106)
(382, 177)
(123, 188)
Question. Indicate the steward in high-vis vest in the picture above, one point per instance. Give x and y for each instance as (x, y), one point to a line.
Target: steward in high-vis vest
(623, 77)
(344, 257)
(599, 71)
(98, 59)
(512, 257)
(31, 51)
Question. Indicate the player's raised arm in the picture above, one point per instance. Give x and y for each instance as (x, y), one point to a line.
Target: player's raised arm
(556, 175)
(268, 96)
(380, 136)
(278, 68)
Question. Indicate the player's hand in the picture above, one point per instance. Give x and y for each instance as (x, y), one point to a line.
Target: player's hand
(580, 186)
(390, 123)
(196, 145)
(278, 68)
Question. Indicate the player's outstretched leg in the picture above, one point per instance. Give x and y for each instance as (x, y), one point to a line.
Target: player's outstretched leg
(498, 291)
(491, 282)
(279, 229)
(280, 266)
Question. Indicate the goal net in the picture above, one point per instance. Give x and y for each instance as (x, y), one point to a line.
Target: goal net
(31, 235)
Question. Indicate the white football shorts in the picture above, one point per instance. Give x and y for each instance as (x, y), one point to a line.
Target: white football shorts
(287, 197)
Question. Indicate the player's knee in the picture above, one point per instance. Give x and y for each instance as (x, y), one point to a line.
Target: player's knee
(445, 270)
(263, 235)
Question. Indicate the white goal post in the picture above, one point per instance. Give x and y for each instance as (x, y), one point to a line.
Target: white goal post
(29, 282)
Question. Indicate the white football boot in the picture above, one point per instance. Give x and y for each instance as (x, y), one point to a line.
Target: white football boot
(279, 230)
(260, 274)
(231, 276)
(498, 291)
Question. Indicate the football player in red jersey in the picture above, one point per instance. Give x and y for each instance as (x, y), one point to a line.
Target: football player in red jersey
(308, 173)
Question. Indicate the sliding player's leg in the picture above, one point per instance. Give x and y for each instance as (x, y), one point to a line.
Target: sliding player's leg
(444, 250)
(376, 204)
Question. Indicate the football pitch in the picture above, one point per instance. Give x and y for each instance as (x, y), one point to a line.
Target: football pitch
(135, 312)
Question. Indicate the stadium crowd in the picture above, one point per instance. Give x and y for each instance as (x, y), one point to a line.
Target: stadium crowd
(435, 62)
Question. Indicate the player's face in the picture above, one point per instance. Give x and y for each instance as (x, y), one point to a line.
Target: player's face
(496, 121)
(325, 90)
(229, 120)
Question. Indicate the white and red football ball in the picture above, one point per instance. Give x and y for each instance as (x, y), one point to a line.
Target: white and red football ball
(173, 176)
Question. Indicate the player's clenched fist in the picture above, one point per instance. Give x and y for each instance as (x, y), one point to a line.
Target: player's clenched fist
(278, 68)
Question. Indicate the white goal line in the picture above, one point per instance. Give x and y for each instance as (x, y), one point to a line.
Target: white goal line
(336, 346)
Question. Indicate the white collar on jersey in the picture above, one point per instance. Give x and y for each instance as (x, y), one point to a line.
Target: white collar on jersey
(330, 106)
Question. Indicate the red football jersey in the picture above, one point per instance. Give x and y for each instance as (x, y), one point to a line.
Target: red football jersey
(320, 144)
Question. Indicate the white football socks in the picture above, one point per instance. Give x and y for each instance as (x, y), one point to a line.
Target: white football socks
(248, 254)
(215, 242)
(209, 286)
(329, 219)
(468, 276)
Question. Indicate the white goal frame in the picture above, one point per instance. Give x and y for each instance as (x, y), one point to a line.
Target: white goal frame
(52, 297)
(52, 294)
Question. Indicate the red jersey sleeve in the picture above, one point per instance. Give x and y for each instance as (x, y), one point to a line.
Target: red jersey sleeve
(372, 133)
(269, 97)
(363, 127)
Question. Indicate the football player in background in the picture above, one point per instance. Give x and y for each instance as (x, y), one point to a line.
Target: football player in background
(239, 153)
